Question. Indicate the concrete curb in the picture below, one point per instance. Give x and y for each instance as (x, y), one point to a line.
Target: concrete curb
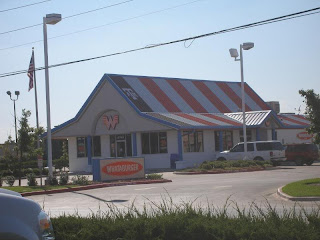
(94, 186)
(288, 197)
(220, 172)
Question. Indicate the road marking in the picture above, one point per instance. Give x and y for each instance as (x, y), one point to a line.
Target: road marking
(139, 189)
(227, 186)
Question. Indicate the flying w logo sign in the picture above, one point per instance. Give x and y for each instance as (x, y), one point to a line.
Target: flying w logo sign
(111, 121)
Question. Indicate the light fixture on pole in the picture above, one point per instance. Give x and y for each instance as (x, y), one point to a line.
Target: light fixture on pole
(235, 55)
(17, 93)
(48, 19)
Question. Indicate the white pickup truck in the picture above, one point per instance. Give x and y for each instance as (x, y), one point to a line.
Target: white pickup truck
(259, 150)
(22, 218)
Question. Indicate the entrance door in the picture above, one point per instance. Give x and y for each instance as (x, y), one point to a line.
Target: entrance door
(120, 145)
(121, 148)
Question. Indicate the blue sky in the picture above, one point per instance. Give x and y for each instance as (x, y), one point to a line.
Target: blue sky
(284, 59)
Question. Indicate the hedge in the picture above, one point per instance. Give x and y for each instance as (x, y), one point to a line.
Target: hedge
(180, 222)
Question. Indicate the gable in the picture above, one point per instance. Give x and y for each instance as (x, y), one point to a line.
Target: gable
(97, 116)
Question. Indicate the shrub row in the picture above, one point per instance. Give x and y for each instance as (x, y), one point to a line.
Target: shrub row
(24, 164)
(233, 164)
(186, 222)
(154, 176)
(24, 172)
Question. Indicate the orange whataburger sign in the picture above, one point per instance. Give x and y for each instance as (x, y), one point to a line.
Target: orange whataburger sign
(124, 168)
(304, 135)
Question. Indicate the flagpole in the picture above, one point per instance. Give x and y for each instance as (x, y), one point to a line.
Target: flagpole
(36, 102)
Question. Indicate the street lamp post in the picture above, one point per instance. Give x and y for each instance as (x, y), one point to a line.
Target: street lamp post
(234, 54)
(17, 93)
(48, 19)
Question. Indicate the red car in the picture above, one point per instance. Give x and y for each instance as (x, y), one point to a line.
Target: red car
(305, 153)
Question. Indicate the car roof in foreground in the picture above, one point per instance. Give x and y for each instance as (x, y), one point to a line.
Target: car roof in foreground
(9, 192)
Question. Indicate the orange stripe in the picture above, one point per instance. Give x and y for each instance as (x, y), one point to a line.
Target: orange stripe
(211, 97)
(187, 97)
(157, 92)
(232, 95)
(293, 120)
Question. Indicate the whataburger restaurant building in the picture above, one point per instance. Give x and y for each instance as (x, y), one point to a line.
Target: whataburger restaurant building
(171, 123)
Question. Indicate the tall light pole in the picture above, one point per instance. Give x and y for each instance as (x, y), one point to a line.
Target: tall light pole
(48, 19)
(17, 93)
(234, 54)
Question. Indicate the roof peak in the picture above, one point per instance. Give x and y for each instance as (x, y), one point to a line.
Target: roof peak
(170, 78)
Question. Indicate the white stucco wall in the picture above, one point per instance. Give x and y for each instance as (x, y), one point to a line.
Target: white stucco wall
(76, 164)
(287, 136)
(236, 136)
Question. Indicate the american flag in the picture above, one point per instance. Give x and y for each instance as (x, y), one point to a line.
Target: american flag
(30, 71)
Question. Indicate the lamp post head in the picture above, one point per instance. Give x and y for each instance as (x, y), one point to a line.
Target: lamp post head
(17, 93)
(247, 45)
(53, 18)
(9, 93)
(233, 53)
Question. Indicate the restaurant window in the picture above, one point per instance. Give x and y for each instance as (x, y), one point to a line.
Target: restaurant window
(249, 135)
(96, 146)
(154, 142)
(82, 146)
(193, 141)
(227, 140)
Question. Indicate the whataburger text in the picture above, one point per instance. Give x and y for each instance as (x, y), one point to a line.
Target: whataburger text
(122, 168)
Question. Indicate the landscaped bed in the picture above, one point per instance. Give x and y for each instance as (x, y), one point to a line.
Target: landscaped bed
(228, 166)
(23, 189)
(82, 183)
(304, 188)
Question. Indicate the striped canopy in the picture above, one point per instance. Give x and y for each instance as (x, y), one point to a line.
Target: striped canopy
(293, 120)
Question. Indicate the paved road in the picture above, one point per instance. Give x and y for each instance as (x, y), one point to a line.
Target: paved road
(243, 188)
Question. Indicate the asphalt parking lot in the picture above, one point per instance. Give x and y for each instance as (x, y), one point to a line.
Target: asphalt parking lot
(243, 188)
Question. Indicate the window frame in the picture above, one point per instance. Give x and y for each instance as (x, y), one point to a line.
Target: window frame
(249, 135)
(86, 146)
(191, 141)
(225, 134)
(161, 138)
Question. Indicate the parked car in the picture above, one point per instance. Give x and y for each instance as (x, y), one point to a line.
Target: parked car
(259, 150)
(304, 153)
(22, 218)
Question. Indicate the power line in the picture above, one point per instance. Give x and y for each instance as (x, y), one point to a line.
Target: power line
(75, 15)
(28, 5)
(255, 24)
(104, 25)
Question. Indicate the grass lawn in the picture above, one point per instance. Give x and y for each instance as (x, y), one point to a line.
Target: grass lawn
(22, 189)
(304, 188)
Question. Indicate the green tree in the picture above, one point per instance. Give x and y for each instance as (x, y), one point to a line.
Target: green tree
(24, 136)
(9, 159)
(63, 161)
(312, 101)
(65, 157)
(28, 137)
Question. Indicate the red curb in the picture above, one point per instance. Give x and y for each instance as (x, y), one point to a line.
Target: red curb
(220, 172)
(93, 186)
